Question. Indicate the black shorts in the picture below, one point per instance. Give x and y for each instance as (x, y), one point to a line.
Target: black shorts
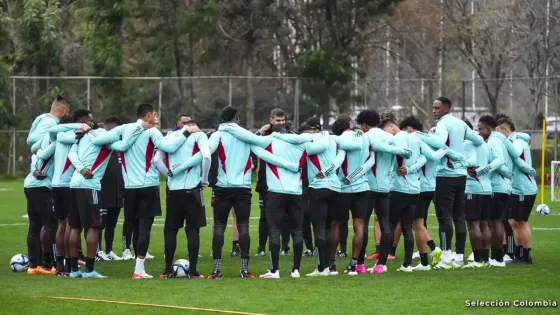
(141, 203)
(449, 197)
(86, 211)
(40, 206)
(477, 206)
(519, 207)
(498, 206)
(402, 208)
(357, 203)
(62, 202)
(305, 199)
(423, 205)
(185, 205)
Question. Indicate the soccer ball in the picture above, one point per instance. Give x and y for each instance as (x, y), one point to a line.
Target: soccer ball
(19, 263)
(181, 268)
(543, 209)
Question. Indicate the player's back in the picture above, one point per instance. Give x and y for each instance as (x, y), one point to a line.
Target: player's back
(500, 183)
(44, 165)
(522, 183)
(478, 156)
(409, 183)
(379, 178)
(321, 161)
(234, 157)
(279, 179)
(191, 177)
(355, 158)
(138, 167)
(457, 133)
(63, 168)
(89, 155)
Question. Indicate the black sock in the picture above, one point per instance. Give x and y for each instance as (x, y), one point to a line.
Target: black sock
(67, 264)
(74, 264)
(47, 259)
(89, 264)
(274, 256)
(527, 254)
(520, 252)
(235, 245)
(505, 249)
(393, 250)
(332, 264)
(80, 254)
(477, 255)
(298, 253)
(424, 259)
(498, 254)
(517, 251)
(60, 262)
(432, 245)
(377, 247)
(485, 255)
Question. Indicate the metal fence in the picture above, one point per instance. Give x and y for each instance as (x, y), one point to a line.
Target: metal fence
(523, 99)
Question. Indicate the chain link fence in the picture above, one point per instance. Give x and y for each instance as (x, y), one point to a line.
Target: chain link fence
(525, 100)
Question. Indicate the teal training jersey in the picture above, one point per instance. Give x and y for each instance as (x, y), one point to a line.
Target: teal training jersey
(428, 171)
(40, 127)
(409, 183)
(356, 146)
(478, 156)
(185, 162)
(523, 181)
(451, 132)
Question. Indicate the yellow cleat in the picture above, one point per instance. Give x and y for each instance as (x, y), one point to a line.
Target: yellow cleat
(436, 256)
(443, 266)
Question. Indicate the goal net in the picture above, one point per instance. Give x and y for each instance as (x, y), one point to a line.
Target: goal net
(555, 181)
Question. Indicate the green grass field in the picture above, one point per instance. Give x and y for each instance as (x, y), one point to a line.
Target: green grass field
(431, 292)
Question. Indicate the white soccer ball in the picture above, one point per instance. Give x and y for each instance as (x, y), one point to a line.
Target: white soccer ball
(19, 263)
(181, 268)
(543, 209)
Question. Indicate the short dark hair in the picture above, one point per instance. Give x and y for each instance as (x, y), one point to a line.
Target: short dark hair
(143, 110)
(412, 122)
(277, 112)
(468, 122)
(228, 113)
(192, 123)
(339, 126)
(183, 115)
(79, 114)
(278, 128)
(488, 120)
(314, 122)
(345, 117)
(387, 118)
(369, 117)
(113, 120)
(444, 100)
(66, 119)
(304, 128)
(506, 121)
(61, 101)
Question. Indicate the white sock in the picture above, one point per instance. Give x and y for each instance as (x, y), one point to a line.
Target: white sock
(447, 257)
(459, 257)
(139, 266)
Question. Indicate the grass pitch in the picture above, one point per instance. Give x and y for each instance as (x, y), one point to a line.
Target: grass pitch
(433, 292)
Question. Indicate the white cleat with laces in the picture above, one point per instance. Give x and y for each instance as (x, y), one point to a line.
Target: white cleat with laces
(271, 275)
(295, 274)
(127, 255)
(113, 256)
(148, 256)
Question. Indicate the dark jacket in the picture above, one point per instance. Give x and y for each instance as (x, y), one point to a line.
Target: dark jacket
(112, 184)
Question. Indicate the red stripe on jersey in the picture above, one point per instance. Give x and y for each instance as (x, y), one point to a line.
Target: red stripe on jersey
(149, 154)
(44, 165)
(101, 156)
(248, 165)
(424, 170)
(166, 160)
(344, 167)
(195, 150)
(374, 168)
(66, 165)
(123, 162)
(301, 161)
(400, 161)
(315, 161)
(273, 168)
(522, 156)
(222, 156)
(448, 141)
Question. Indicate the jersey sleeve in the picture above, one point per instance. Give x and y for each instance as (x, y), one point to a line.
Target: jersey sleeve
(54, 131)
(42, 128)
(67, 137)
(472, 136)
(103, 137)
(245, 135)
(337, 162)
(274, 159)
(204, 146)
(437, 139)
(293, 138)
(319, 144)
(123, 145)
(214, 141)
(497, 161)
(431, 154)
(158, 161)
(350, 141)
(169, 143)
(44, 154)
(74, 159)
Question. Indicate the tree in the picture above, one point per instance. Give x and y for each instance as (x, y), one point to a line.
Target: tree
(485, 40)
